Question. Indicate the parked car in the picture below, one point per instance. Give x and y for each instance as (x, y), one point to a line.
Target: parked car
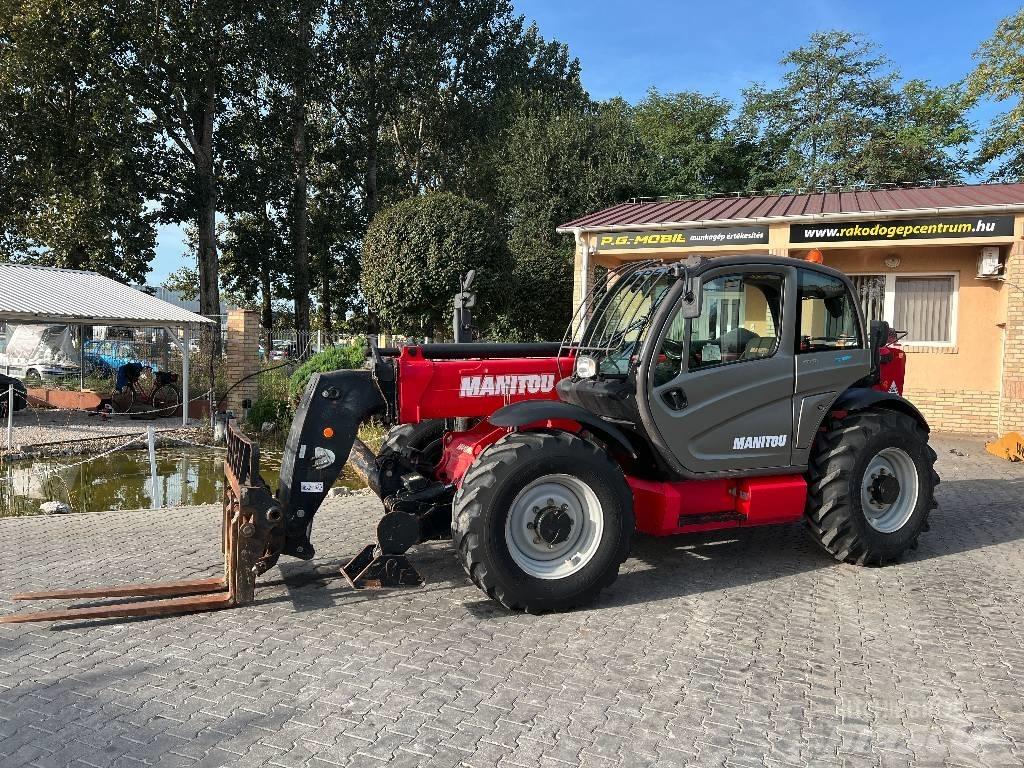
(20, 395)
(282, 350)
(105, 357)
(36, 353)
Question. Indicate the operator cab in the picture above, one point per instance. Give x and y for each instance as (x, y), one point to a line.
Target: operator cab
(719, 366)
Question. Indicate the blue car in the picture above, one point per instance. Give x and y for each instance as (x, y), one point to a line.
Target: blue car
(106, 357)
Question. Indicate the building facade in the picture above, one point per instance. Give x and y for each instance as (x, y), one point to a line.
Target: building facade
(944, 264)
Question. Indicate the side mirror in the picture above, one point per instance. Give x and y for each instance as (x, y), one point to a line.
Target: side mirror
(690, 307)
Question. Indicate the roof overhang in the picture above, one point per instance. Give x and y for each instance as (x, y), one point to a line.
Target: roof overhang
(825, 217)
(26, 317)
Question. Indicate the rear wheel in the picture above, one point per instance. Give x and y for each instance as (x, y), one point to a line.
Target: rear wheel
(543, 521)
(871, 486)
(166, 400)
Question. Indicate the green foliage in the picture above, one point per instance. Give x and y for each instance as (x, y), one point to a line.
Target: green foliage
(185, 281)
(274, 410)
(415, 253)
(74, 155)
(840, 119)
(999, 76)
(330, 359)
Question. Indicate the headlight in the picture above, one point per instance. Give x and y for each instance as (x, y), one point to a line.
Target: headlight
(586, 367)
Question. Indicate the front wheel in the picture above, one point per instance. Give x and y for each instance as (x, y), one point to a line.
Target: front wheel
(122, 400)
(543, 521)
(871, 486)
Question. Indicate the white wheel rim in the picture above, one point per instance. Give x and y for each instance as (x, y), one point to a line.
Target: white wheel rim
(552, 494)
(889, 517)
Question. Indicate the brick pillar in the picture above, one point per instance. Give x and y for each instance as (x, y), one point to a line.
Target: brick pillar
(243, 357)
(1011, 407)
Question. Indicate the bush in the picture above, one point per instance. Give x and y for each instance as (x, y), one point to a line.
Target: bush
(331, 359)
(416, 251)
(269, 409)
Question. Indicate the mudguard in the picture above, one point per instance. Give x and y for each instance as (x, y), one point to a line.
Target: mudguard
(319, 442)
(862, 398)
(531, 411)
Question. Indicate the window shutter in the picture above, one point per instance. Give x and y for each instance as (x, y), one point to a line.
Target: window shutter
(924, 308)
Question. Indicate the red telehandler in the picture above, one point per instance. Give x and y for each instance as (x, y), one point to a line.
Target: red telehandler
(689, 396)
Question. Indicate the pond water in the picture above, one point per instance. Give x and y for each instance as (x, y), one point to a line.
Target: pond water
(121, 480)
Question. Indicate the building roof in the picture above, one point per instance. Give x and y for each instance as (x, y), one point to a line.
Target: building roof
(45, 294)
(887, 202)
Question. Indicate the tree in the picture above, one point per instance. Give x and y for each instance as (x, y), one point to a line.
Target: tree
(690, 144)
(415, 253)
(72, 155)
(999, 75)
(552, 163)
(839, 119)
(184, 281)
(182, 61)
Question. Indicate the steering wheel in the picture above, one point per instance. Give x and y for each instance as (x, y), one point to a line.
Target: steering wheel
(672, 349)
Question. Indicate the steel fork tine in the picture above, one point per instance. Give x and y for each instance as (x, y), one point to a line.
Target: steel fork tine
(168, 588)
(177, 605)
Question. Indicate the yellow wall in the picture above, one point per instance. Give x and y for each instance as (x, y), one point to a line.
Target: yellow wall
(974, 362)
(959, 388)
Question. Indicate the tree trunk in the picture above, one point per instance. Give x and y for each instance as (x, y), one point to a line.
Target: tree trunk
(326, 297)
(370, 183)
(206, 223)
(300, 213)
(266, 298)
(206, 214)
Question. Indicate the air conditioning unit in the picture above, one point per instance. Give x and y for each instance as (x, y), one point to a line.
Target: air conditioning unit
(989, 262)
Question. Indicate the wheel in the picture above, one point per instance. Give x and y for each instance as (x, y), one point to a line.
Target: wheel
(424, 437)
(871, 486)
(123, 400)
(166, 399)
(542, 521)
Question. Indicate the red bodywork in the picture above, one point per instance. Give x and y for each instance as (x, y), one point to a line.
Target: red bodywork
(892, 369)
(476, 388)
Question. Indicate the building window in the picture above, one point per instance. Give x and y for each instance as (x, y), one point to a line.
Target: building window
(923, 305)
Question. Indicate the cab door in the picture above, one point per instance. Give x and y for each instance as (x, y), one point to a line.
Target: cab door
(720, 386)
(831, 352)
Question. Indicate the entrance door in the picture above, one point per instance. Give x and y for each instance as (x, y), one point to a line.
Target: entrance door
(722, 399)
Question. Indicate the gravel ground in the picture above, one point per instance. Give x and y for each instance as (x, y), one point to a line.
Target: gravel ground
(51, 432)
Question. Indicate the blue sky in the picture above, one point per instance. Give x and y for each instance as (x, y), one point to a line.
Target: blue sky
(720, 47)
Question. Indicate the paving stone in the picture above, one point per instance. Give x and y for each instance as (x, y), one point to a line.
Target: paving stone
(747, 648)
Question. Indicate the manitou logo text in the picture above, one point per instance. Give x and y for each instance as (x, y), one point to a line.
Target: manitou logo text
(511, 384)
(759, 441)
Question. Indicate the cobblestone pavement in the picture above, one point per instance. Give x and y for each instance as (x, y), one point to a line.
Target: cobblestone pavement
(745, 650)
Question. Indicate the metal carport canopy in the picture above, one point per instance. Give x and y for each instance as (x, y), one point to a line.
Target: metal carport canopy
(32, 294)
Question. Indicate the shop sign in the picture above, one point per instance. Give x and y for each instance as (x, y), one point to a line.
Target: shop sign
(682, 238)
(908, 229)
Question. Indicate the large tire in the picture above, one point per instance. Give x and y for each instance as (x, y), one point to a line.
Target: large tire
(492, 513)
(851, 512)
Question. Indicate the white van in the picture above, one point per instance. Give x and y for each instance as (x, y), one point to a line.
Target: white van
(36, 353)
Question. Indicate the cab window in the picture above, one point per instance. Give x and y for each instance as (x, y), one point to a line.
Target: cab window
(739, 322)
(827, 316)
